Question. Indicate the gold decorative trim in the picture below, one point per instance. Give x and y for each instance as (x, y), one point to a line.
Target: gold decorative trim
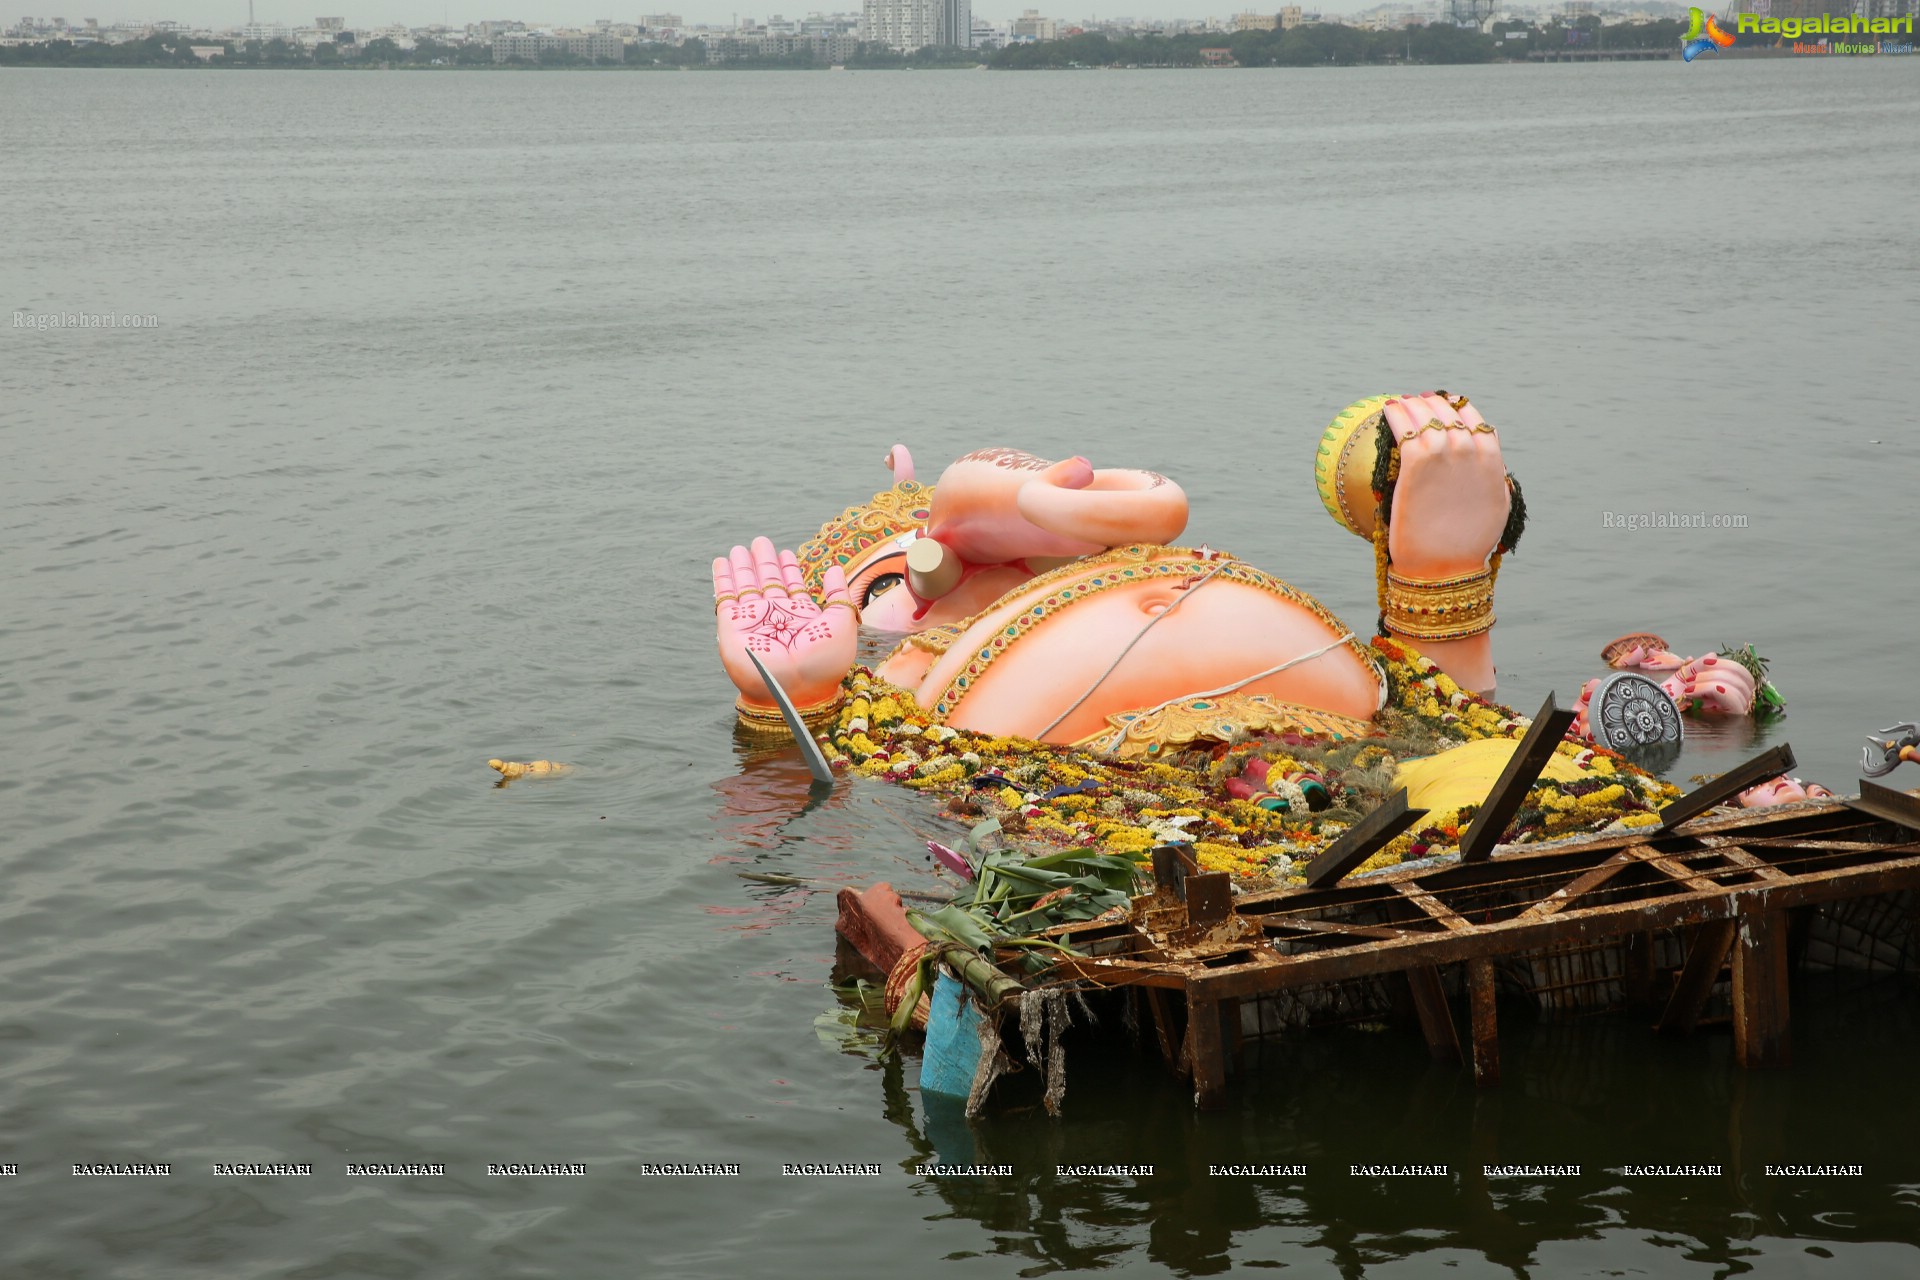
(768, 720)
(1136, 736)
(1434, 424)
(1439, 608)
(849, 539)
(935, 640)
(1120, 567)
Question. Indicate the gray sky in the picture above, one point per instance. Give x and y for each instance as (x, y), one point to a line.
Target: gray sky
(416, 13)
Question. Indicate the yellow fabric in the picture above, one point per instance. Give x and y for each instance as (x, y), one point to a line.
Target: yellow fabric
(1464, 774)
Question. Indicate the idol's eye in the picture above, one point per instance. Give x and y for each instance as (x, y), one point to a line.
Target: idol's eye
(879, 587)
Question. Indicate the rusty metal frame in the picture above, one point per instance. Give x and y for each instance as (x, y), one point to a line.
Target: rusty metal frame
(1727, 883)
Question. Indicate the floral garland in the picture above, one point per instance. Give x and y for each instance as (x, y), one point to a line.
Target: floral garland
(1062, 798)
(1421, 689)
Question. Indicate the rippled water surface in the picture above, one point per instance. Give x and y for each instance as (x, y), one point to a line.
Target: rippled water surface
(456, 383)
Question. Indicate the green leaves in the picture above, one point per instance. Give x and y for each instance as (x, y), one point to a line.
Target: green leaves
(1015, 898)
(916, 987)
(959, 925)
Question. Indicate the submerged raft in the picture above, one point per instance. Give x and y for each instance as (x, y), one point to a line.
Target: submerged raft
(1699, 919)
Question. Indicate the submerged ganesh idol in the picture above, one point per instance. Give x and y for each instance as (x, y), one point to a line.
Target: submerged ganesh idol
(1045, 602)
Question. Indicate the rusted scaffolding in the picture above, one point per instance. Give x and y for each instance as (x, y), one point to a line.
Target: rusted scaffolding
(1667, 919)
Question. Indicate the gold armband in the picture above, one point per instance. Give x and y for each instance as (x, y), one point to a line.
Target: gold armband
(768, 720)
(1441, 609)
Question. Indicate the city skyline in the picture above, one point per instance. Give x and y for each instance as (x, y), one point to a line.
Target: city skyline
(219, 14)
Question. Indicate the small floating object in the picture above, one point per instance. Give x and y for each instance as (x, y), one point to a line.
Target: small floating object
(950, 859)
(511, 769)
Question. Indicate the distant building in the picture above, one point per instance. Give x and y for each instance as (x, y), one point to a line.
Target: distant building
(655, 21)
(1290, 16)
(832, 48)
(907, 25)
(1031, 26)
(330, 25)
(208, 52)
(1217, 58)
(1256, 21)
(1804, 9)
(594, 48)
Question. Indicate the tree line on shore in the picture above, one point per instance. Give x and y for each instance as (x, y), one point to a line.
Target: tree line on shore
(1324, 44)
(1303, 46)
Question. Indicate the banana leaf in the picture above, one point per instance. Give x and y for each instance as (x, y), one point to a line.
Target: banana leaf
(961, 926)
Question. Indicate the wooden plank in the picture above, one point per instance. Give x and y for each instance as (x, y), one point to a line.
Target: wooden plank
(1636, 970)
(1579, 886)
(1172, 864)
(1209, 897)
(1362, 840)
(1432, 906)
(1786, 846)
(1705, 958)
(1575, 924)
(1896, 807)
(1768, 764)
(1106, 971)
(1205, 1056)
(1554, 864)
(1357, 932)
(1157, 1002)
(1759, 866)
(1486, 1023)
(1436, 1020)
(1675, 870)
(1510, 791)
(1760, 991)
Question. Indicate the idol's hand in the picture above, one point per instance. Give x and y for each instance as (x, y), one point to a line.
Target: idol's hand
(1713, 683)
(1451, 500)
(762, 607)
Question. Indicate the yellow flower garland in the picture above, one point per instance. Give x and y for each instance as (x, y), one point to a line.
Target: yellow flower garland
(882, 732)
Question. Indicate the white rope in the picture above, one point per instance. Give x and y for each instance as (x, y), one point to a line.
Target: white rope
(1151, 624)
(1237, 684)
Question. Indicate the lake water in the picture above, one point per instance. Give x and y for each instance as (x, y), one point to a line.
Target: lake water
(455, 384)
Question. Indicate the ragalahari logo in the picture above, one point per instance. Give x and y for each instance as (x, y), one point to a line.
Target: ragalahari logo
(1703, 33)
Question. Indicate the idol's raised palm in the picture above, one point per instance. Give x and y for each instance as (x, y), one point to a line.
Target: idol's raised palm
(763, 607)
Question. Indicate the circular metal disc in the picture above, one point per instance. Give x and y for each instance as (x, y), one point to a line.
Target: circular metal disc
(1634, 716)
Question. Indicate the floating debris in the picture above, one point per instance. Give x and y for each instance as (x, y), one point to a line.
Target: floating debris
(511, 769)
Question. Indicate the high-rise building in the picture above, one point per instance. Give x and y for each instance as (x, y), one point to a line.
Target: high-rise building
(907, 25)
(1031, 26)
